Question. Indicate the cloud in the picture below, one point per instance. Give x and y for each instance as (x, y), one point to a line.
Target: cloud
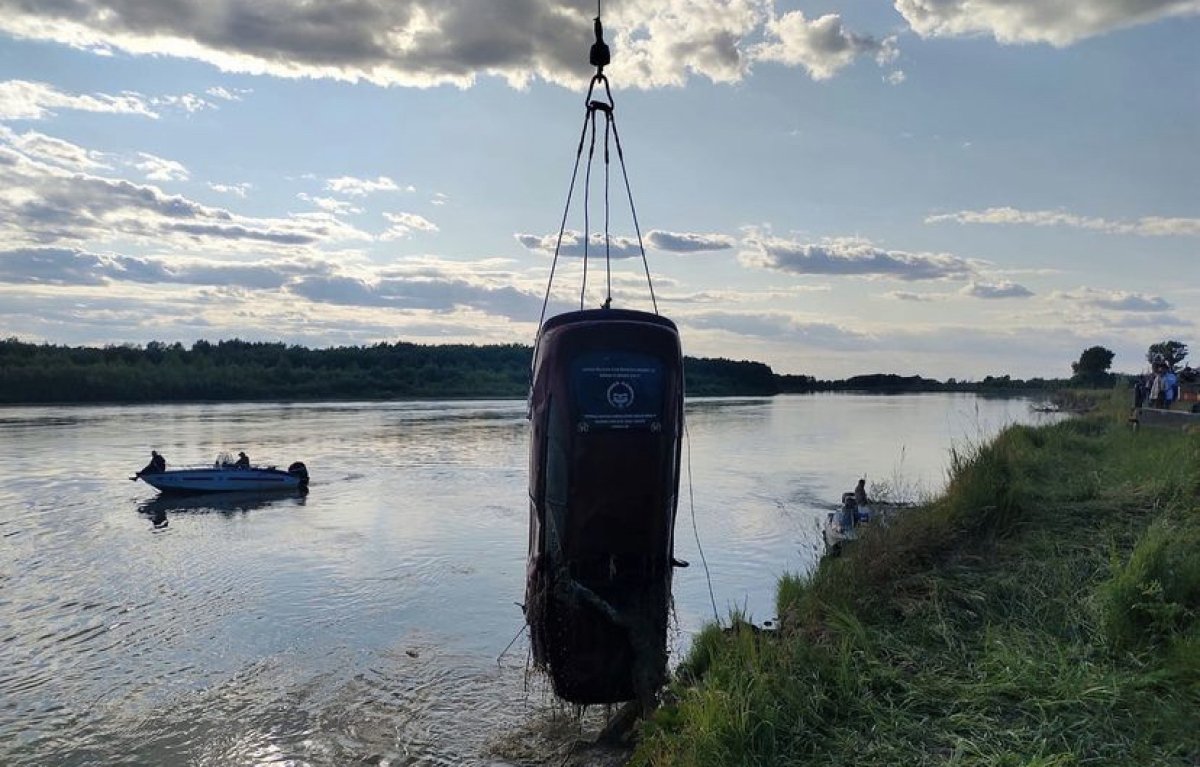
(423, 43)
(26, 100)
(238, 190)
(822, 46)
(995, 290)
(228, 94)
(404, 224)
(904, 295)
(330, 204)
(1057, 22)
(1115, 300)
(42, 204)
(429, 285)
(159, 168)
(572, 245)
(69, 267)
(850, 257)
(188, 102)
(360, 187)
(780, 326)
(1147, 226)
(54, 151)
(689, 242)
(442, 294)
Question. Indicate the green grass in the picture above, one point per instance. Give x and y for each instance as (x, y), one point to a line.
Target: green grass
(1044, 611)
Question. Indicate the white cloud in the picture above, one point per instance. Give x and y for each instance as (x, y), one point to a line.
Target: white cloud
(689, 242)
(572, 245)
(25, 100)
(238, 190)
(228, 94)
(53, 150)
(188, 102)
(1147, 226)
(1058, 22)
(42, 204)
(895, 77)
(1115, 300)
(330, 204)
(68, 267)
(905, 295)
(427, 284)
(159, 168)
(360, 187)
(822, 46)
(849, 257)
(404, 224)
(439, 199)
(995, 290)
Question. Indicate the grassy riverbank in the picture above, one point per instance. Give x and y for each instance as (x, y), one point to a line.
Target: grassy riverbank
(1044, 611)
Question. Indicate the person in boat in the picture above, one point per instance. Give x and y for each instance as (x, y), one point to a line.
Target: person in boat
(243, 462)
(157, 465)
(860, 492)
(849, 511)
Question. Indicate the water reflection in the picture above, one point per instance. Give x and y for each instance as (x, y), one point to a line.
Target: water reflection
(225, 504)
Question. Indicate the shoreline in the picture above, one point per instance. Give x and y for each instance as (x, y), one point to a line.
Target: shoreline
(1044, 610)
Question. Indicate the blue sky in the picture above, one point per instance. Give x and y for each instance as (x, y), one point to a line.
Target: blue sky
(919, 186)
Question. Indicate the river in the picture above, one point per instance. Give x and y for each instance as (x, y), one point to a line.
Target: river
(367, 622)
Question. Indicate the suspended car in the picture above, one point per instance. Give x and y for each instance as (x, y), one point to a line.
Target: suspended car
(606, 411)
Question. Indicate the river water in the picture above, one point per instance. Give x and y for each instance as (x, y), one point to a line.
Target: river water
(367, 622)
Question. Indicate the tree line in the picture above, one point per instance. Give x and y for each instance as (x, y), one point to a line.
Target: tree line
(236, 370)
(1092, 367)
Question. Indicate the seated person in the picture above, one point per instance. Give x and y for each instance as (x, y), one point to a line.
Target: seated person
(243, 462)
(157, 465)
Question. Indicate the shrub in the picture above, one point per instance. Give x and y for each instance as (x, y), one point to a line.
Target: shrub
(1155, 596)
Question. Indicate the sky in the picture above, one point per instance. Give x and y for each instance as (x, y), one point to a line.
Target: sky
(952, 188)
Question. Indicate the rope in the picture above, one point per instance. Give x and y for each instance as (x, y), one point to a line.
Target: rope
(633, 209)
(587, 187)
(687, 436)
(599, 56)
(562, 227)
(607, 238)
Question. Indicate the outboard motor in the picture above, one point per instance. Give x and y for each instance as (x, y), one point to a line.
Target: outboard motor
(606, 412)
(298, 469)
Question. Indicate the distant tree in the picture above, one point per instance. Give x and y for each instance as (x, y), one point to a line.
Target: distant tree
(1173, 352)
(1093, 365)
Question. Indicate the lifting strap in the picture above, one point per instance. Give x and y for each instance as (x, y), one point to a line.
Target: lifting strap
(602, 104)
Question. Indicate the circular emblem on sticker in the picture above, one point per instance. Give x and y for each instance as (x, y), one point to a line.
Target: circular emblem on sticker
(620, 395)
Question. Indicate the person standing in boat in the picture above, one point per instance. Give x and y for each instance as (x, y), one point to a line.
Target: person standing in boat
(243, 461)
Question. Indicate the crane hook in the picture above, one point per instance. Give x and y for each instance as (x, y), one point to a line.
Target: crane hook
(599, 55)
